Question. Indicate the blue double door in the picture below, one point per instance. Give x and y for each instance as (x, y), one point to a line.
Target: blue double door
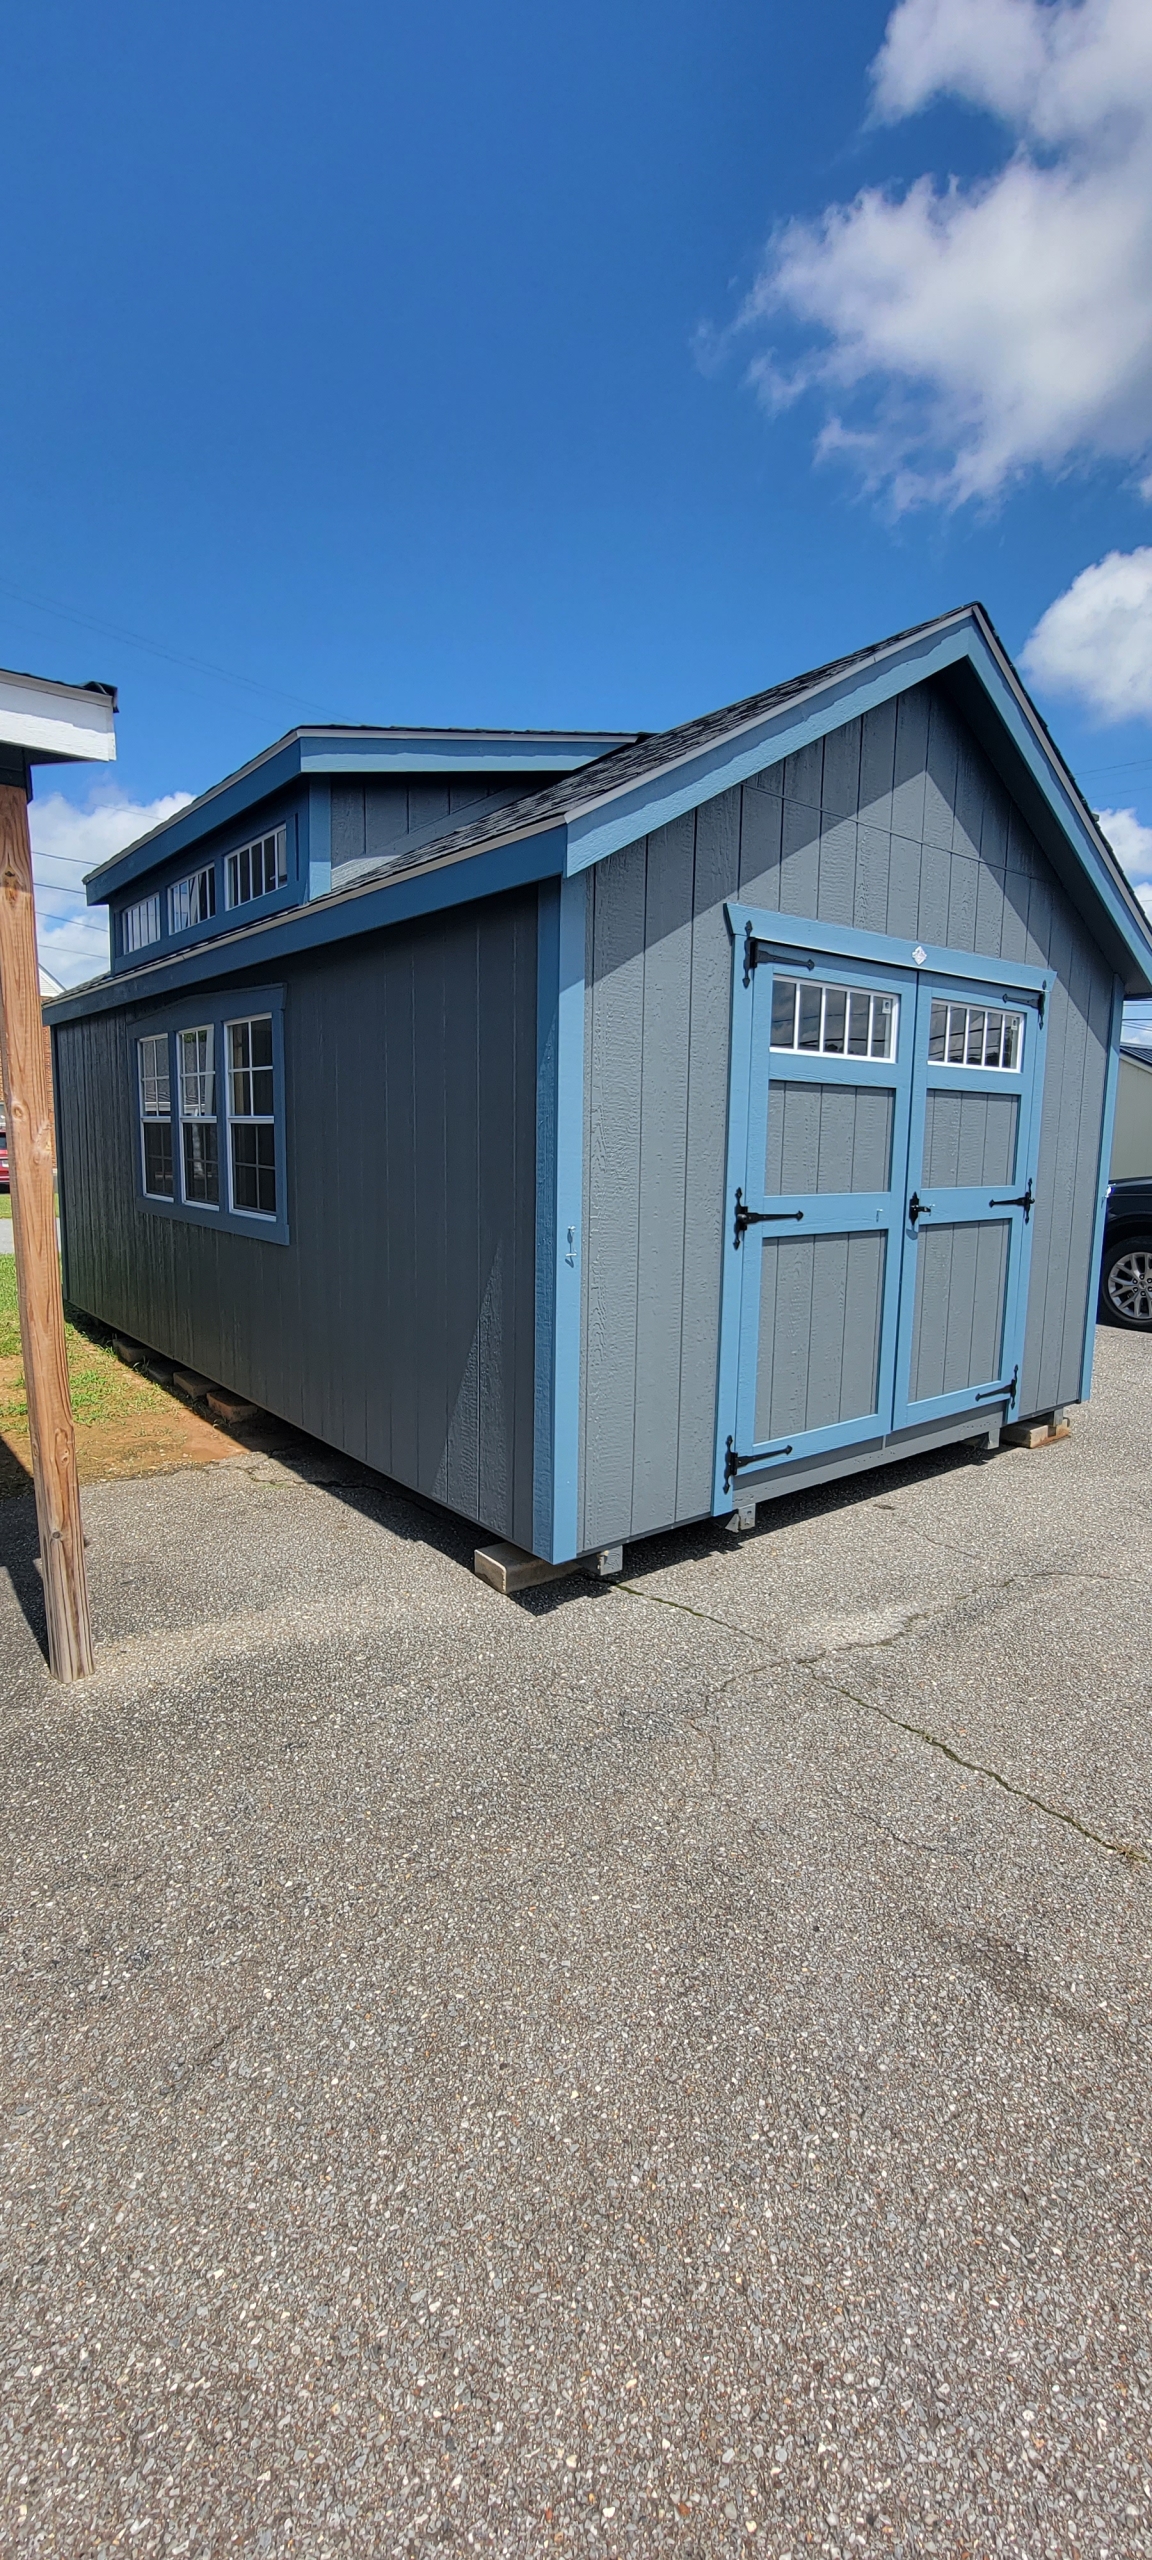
(882, 1225)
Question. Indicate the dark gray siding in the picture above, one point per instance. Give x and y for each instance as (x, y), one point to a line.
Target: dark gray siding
(896, 824)
(398, 1322)
(374, 821)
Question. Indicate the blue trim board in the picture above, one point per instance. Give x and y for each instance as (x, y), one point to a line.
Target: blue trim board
(844, 942)
(595, 833)
(343, 917)
(1107, 1125)
(547, 1038)
(568, 1222)
(317, 822)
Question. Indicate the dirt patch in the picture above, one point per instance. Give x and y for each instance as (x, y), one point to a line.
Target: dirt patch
(125, 1424)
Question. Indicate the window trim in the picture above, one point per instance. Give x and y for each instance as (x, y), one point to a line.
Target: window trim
(152, 898)
(239, 1005)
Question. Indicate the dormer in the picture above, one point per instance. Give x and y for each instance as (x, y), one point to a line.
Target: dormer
(309, 815)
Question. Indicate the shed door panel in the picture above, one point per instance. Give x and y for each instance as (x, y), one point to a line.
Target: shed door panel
(821, 1305)
(958, 1328)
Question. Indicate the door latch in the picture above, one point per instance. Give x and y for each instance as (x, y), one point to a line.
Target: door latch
(991, 1395)
(733, 1462)
(1024, 1201)
(746, 1217)
(918, 1208)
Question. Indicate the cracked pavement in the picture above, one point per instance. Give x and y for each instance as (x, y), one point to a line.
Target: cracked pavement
(656, 2068)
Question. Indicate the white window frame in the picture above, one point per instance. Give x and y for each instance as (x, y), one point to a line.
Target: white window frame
(197, 1097)
(192, 900)
(876, 999)
(250, 1119)
(155, 1108)
(1001, 1013)
(238, 867)
(140, 923)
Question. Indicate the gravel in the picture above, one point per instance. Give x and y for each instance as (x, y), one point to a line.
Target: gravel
(633, 2069)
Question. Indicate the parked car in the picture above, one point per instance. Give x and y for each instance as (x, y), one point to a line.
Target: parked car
(3, 1159)
(1126, 1263)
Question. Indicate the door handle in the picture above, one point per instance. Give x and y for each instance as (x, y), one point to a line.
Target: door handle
(1023, 1201)
(918, 1208)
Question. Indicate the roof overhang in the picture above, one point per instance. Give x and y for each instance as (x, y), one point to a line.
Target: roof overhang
(47, 723)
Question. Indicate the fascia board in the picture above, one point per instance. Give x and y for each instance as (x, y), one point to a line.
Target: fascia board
(596, 832)
(343, 917)
(56, 723)
(478, 755)
(191, 825)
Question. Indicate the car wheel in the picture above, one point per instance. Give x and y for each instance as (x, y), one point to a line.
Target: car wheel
(1126, 1283)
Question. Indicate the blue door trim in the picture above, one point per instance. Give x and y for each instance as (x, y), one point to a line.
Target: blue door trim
(559, 1217)
(1107, 1125)
(843, 942)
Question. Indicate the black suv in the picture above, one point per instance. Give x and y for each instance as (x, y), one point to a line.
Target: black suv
(1126, 1264)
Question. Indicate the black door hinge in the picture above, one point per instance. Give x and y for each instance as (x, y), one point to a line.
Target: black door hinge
(733, 1462)
(990, 1395)
(1024, 1200)
(750, 954)
(918, 1208)
(1040, 1002)
(746, 1217)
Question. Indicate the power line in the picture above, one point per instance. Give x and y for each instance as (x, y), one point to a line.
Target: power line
(156, 649)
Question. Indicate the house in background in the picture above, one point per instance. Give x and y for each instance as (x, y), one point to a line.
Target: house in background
(638, 1130)
(1132, 1134)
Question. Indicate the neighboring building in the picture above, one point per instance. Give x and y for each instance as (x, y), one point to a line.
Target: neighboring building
(731, 1112)
(1132, 1134)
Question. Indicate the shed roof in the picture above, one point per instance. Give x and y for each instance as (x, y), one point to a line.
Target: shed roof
(640, 786)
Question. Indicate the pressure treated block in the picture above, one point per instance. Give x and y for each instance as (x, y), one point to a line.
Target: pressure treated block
(1039, 1433)
(510, 1568)
(190, 1386)
(230, 1408)
(131, 1353)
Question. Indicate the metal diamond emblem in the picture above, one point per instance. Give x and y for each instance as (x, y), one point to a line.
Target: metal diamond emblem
(919, 955)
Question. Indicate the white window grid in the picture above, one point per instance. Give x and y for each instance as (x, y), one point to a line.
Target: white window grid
(255, 869)
(197, 1074)
(192, 901)
(975, 1035)
(812, 1018)
(252, 1106)
(140, 924)
(155, 1077)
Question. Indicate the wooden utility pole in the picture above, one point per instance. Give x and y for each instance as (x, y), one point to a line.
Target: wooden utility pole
(31, 1152)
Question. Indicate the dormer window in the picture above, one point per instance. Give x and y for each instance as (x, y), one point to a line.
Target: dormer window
(192, 901)
(255, 869)
(140, 924)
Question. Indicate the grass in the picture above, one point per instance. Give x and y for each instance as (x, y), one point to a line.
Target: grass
(103, 1390)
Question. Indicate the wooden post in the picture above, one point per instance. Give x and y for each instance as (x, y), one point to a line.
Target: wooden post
(28, 1109)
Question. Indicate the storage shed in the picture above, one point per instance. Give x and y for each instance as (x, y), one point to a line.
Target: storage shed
(651, 1127)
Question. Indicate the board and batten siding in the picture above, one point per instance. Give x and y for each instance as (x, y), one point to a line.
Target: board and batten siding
(397, 1323)
(895, 823)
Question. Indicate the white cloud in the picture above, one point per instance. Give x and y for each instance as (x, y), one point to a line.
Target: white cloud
(1131, 843)
(967, 332)
(66, 843)
(1095, 641)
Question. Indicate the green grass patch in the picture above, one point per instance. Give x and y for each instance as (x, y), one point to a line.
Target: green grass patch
(103, 1389)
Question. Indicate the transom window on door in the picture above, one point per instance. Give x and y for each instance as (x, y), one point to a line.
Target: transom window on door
(815, 1020)
(974, 1035)
(210, 1101)
(255, 869)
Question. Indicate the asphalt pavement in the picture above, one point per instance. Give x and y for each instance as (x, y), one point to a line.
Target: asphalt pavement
(651, 2068)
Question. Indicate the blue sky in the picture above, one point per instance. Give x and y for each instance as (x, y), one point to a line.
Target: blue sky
(456, 366)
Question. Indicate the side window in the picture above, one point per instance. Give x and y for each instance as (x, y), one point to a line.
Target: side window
(198, 1142)
(252, 1115)
(156, 1116)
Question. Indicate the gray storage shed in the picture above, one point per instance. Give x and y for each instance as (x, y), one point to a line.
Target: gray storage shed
(649, 1127)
